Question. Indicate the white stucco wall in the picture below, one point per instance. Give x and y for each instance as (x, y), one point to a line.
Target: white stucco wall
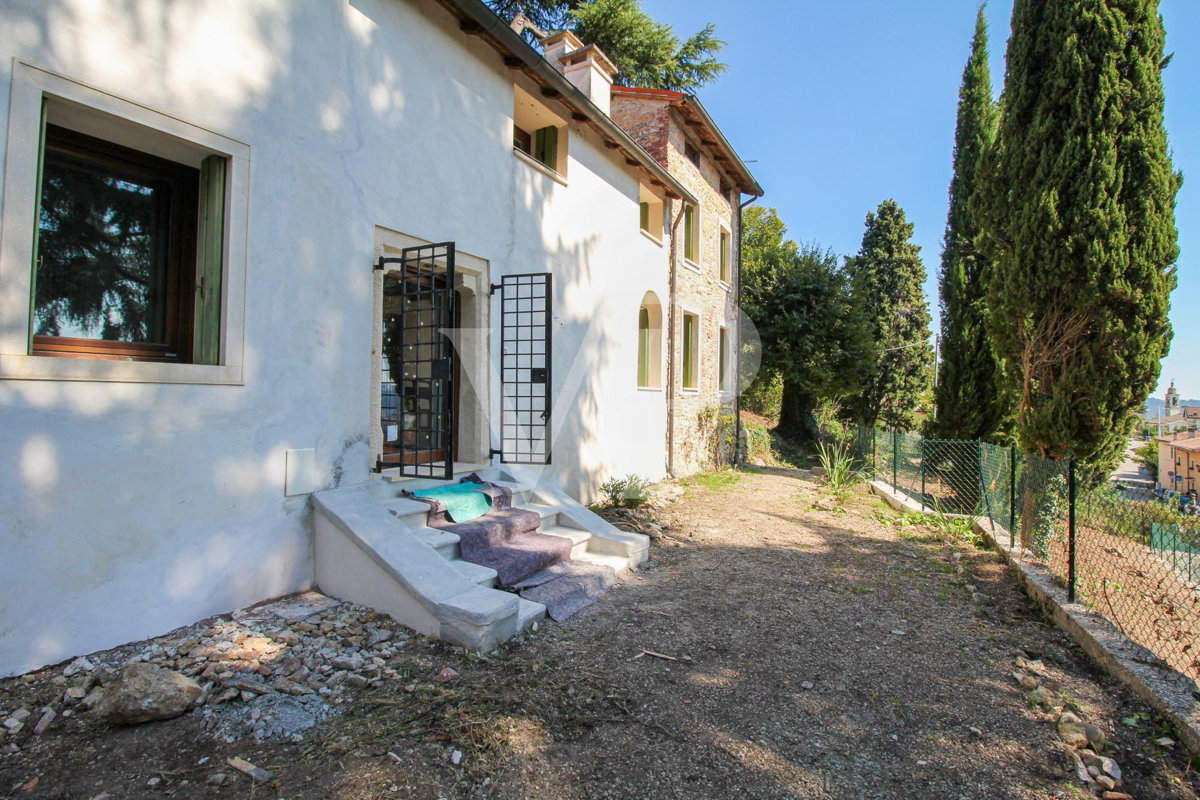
(129, 509)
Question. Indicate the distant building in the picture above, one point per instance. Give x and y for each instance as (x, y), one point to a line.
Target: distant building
(1176, 417)
(1179, 461)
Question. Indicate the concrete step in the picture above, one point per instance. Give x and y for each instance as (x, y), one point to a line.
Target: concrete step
(484, 576)
(549, 514)
(444, 542)
(415, 483)
(528, 612)
(412, 513)
(618, 563)
(579, 539)
(520, 492)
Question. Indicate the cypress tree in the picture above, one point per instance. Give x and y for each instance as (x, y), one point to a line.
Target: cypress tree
(969, 404)
(1081, 202)
(886, 279)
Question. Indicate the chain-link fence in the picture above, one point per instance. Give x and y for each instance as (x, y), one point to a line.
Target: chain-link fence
(1131, 552)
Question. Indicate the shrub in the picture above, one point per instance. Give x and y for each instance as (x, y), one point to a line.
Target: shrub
(838, 463)
(630, 491)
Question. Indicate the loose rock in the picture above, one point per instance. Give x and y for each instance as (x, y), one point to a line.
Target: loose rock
(145, 693)
(1071, 731)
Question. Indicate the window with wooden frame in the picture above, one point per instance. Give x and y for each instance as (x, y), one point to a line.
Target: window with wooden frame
(723, 359)
(726, 255)
(538, 132)
(691, 351)
(650, 214)
(691, 233)
(649, 375)
(127, 253)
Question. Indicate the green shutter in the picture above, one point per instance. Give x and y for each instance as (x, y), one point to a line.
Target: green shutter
(723, 344)
(724, 256)
(37, 227)
(545, 146)
(689, 224)
(645, 212)
(643, 347)
(687, 350)
(210, 249)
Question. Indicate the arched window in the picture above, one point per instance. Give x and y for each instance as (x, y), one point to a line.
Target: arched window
(649, 375)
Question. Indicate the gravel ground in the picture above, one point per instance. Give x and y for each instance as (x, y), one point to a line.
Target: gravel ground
(779, 645)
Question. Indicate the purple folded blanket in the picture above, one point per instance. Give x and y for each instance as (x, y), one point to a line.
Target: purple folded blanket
(504, 539)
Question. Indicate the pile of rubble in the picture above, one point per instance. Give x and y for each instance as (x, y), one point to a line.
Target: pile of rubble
(1084, 743)
(269, 671)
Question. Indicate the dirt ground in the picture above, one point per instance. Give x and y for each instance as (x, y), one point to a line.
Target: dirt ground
(773, 648)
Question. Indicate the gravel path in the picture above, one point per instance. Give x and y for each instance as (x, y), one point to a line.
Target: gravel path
(774, 648)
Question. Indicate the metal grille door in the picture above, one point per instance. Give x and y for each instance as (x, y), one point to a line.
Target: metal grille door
(525, 368)
(418, 362)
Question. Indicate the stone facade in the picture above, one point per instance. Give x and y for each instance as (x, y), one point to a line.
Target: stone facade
(658, 123)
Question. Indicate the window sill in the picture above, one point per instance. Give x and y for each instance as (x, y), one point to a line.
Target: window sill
(657, 240)
(726, 286)
(49, 368)
(539, 166)
(649, 389)
(686, 390)
(692, 265)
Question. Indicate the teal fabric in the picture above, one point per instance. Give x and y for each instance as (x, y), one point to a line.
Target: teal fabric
(464, 501)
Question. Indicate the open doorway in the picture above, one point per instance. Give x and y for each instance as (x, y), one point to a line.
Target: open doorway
(430, 360)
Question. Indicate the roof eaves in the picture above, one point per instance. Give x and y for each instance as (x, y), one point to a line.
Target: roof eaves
(476, 18)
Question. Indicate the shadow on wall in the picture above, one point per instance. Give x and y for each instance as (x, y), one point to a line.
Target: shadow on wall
(134, 508)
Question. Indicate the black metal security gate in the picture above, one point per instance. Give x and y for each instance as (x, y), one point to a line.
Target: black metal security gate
(418, 393)
(525, 368)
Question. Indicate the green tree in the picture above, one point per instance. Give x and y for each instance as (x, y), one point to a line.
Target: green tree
(1147, 456)
(886, 278)
(647, 53)
(812, 334)
(968, 394)
(1080, 201)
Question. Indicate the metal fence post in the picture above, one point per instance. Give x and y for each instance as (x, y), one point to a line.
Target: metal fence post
(1012, 496)
(874, 453)
(1071, 531)
(922, 471)
(895, 459)
(983, 492)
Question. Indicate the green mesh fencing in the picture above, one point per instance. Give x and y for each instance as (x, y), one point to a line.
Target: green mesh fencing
(1132, 553)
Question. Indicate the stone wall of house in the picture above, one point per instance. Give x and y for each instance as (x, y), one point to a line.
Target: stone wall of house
(647, 120)
(697, 413)
(662, 132)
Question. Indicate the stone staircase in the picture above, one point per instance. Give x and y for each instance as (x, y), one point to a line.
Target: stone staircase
(375, 548)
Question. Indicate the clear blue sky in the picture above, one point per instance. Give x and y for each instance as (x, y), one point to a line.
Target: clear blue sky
(844, 104)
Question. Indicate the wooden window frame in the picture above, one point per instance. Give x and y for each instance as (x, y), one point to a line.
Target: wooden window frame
(690, 351)
(522, 140)
(725, 266)
(691, 234)
(723, 359)
(184, 182)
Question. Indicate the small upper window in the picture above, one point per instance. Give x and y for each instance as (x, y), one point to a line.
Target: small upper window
(724, 189)
(726, 255)
(127, 256)
(650, 214)
(691, 233)
(692, 153)
(538, 132)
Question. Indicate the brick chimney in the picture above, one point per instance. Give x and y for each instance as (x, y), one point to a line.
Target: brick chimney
(586, 67)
